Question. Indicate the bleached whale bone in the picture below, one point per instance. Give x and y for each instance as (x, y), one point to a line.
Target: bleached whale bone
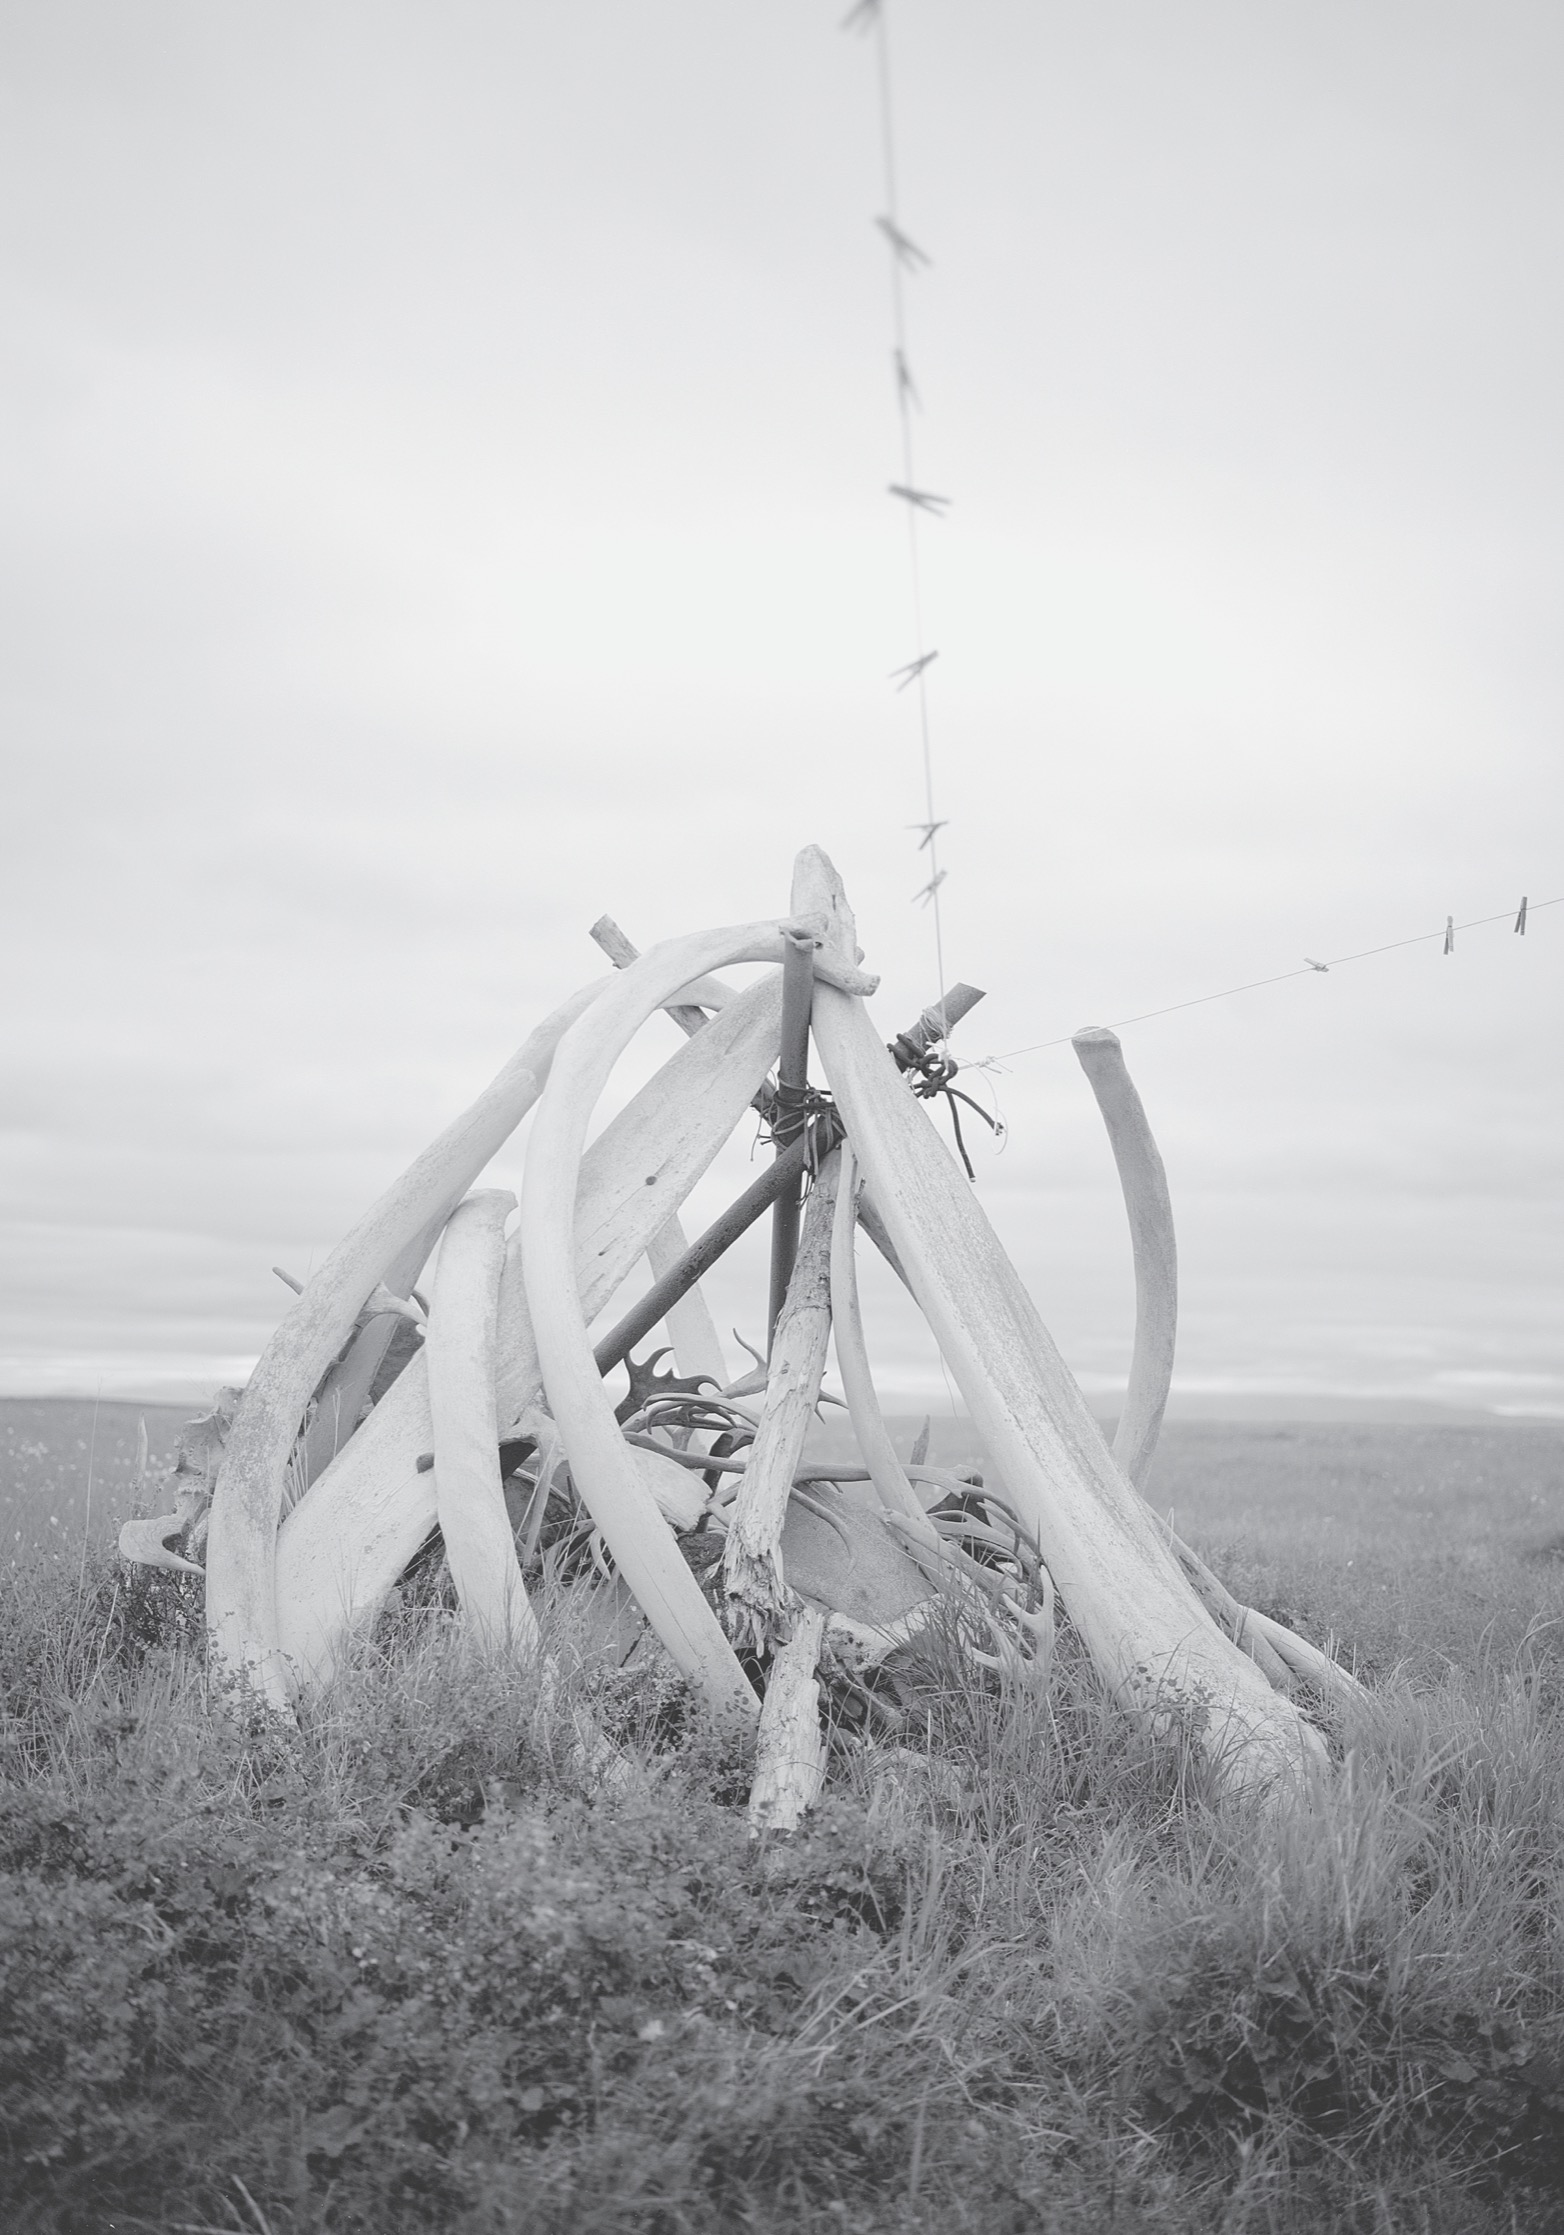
(643, 1549)
(341, 1549)
(1127, 1590)
(480, 1549)
(1154, 1643)
(241, 1553)
(852, 1357)
(1145, 1185)
(1276, 1650)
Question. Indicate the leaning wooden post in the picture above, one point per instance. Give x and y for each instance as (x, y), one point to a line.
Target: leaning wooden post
(789, 1745)
(798, 988)
(758, 1598)
(938, 1021)
(702, 1254)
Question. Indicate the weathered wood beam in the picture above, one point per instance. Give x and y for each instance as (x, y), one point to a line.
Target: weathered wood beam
(798, 986)
(759, 1601)
(789, 1745)
(697, 1348)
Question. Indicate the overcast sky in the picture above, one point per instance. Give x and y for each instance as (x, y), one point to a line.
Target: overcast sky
(444, 469)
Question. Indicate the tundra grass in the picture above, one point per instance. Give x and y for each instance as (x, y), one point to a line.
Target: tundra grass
(410, 1968)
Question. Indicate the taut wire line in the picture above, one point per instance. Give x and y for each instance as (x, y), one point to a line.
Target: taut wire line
(904, 257)
(1307, 969)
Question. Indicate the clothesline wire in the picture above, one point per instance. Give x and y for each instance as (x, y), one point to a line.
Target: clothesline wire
(871, 15)
(895, 250)
(1251, 985)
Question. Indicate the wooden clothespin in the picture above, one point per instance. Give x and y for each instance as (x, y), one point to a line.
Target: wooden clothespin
(906, 252)
(1520, 921)
(1449, 935)
(902, 676)
(922, 500)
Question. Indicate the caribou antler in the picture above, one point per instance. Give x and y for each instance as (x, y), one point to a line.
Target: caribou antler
(146, 1543)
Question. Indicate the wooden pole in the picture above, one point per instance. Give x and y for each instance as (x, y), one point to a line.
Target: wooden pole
(907, 1048)
(938, 1021)
(705, 1250)
(798, 990)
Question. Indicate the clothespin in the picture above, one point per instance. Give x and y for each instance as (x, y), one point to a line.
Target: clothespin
(862, 16)
(906, 252)
(932, 887)
(1520, 921)
(288, 1280)
(923, 499)
(1313, 965)
(905, 385)
(928, 830)
(910, 674)
(1449, 935)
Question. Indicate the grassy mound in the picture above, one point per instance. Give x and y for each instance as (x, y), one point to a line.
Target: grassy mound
(408, 1968)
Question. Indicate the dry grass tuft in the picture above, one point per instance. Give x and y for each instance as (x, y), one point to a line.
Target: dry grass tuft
(417, 1966)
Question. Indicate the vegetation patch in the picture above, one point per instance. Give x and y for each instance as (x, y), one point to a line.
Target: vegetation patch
(415, 1966)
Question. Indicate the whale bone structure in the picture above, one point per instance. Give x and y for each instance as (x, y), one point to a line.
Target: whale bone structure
(697, 1500)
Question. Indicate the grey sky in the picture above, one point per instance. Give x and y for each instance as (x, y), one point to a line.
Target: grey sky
(443, 498)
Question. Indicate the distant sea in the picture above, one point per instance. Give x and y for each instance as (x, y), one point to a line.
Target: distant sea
(68, 1465)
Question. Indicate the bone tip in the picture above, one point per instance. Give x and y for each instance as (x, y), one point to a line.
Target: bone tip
(1093, 1036)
